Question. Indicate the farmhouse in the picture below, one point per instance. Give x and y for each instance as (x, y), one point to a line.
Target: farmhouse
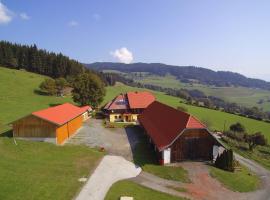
(126, 107)
(176, 135)
(55, 124)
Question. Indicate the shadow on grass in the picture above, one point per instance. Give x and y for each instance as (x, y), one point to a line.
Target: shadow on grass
(143, 153)
(54, 104)
(7, 133)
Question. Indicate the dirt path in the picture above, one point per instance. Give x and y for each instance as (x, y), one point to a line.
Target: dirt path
(203, 186)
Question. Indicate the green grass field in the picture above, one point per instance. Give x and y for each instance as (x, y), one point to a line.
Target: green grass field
(240, 181)
(18, 97)
(39, 171)
(128, 188)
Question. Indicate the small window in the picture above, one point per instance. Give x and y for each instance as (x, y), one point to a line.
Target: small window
(115, 117)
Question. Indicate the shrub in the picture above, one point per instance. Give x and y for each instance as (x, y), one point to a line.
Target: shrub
(255, 139)
(237, 127)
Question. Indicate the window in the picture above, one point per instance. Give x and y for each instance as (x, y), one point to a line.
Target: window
(115, 117)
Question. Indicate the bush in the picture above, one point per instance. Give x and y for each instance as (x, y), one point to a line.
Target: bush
(237, 127)
(225, 161)
(255, 139)
(240, 137)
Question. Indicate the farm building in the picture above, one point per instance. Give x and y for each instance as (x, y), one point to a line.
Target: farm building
(176, 135)
(127, 107)
(55, 124)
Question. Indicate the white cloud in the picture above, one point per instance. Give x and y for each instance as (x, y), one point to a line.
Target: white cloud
(24, 16)
(123, 55)
(5, 14)
(73, 23)
(96, 16)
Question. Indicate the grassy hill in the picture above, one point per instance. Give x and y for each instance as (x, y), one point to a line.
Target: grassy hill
(241, 95)
(18, 98)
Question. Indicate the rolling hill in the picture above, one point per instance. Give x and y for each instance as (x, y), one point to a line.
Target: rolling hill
(18, 98)
(248, 95)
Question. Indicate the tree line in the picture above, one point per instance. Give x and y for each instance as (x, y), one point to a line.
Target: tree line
(30, 58)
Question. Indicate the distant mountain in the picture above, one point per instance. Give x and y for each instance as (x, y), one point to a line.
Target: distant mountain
(186, 74)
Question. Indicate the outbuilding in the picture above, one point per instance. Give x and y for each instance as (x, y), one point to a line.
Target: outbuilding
(176, 135)
(54, 124)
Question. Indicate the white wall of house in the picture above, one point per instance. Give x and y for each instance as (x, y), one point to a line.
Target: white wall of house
(166, 155)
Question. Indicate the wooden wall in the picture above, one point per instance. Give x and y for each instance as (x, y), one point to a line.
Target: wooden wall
(32, 126)
(67, 130)
(193, 144)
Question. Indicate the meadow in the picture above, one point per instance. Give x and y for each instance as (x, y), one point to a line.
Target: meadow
(20, 97)
(241, 95)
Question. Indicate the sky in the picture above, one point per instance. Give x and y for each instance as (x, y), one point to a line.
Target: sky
(228, 35)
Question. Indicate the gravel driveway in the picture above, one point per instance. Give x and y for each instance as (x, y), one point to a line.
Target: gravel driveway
(116, 141)
(110, 170)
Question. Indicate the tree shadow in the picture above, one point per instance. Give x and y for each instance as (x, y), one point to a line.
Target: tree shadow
(142, 151)
(39, 92)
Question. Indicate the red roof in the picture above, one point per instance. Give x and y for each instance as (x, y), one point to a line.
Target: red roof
(130, 100)
(164, 123)
(140, 99)
(60, 114)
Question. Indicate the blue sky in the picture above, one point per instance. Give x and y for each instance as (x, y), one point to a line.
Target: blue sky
(221, 35)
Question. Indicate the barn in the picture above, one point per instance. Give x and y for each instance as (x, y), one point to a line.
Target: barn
(54, 124)
(176, 135)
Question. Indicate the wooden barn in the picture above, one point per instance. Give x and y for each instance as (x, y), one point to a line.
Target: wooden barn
(176, 135)
(55, 124)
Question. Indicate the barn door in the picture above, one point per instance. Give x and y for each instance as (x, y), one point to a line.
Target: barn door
(192, 148)
(197, 148)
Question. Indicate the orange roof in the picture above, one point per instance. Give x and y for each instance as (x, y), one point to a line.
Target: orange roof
(60, 114)
(164, 123)
(140, 99)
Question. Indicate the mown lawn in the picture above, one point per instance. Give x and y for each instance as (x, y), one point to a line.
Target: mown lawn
(41, 171)
(217, 120)
(145, 157)
(240, 181)
(128, 188)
